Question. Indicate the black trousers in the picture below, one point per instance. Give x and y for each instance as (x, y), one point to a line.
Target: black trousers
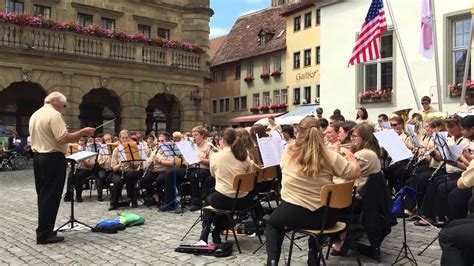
(288, 215)
(81, 175)
(102, 180)
(167, 182)
(197, 177)
(130, 179)
(152, 182)
(50, 172)
(457, 242)
(458, 201)
(435, 202)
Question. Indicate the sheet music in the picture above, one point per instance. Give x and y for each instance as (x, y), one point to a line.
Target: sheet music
(462, 115)
(188, 152)
(385, 125)
(448, 152)
(90, 147)
(271, 149)
(275, 134)
(393, 144)
(104, 150)
(81, 156)
(139, 151)
(412, 134)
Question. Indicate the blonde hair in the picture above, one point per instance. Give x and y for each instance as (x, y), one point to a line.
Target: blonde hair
(55, 97)
(177, 134)
(123, 131)
(309, 151)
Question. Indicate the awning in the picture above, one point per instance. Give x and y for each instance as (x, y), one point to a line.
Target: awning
(251, 118)
(293, 117)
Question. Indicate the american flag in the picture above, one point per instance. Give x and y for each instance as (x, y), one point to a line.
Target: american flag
(368, 41)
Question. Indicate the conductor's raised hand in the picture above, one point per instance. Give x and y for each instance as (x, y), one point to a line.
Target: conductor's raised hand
(88, 131)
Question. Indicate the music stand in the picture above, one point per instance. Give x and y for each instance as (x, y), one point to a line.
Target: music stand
(73, 160)
(171, 149)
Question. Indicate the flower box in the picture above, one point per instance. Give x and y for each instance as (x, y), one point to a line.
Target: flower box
(276, 73)
(455, 90)
(265, 75)
(254, 109)
(375, 96)
(249, 79)
(274, 106)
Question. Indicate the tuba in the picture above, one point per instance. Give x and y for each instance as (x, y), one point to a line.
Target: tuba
(403, 113)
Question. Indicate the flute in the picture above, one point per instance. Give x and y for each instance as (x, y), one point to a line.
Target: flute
(348, 146)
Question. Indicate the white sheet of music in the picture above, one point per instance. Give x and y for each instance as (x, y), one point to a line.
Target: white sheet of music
(81, 155)
(188, 152)
(393, 144)
(104, 150)
(448, 152)
(385, 125)
(271, 149)
(413, 137)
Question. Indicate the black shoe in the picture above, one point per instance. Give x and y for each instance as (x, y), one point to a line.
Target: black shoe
(79, 199)
(134, 203)
(343, 251)
(50, 240)
(216, 236)
(99, 198)
(113, 207)
(67, 197)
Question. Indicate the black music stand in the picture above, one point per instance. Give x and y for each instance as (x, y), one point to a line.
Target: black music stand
(72, 220)
(405, 249)
(170, 149)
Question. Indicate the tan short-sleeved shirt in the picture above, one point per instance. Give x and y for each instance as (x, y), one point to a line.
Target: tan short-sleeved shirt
(467, 176)
(156, 157)
(224, 166)
(204, 150)
(305, 191)
(47, 128)
(465, 143)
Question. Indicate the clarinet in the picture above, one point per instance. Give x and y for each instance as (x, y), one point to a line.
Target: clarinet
(151, 164)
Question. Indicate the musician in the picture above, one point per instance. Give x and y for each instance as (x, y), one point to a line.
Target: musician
(306, 165)
(83, 170)
(252, 150)
(427, 108)
(288, 133)
(468, 106)
(272, 125)
(105, 170)
(177, 136)
(140, 139)
(332, 138)
(362, 116)
(151, 145)
(380, 119)
(124, 172)
(198, 173)
(344, 132)
(257, 130)
(231, 161)
(319, 113)
(335, 118)
(49, 139)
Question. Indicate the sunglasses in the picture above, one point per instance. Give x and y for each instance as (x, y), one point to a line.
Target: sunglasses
(394, 125)
(425, 103)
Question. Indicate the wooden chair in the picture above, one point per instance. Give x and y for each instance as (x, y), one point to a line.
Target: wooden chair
(240, 183)
(338, 196)
(268, 174)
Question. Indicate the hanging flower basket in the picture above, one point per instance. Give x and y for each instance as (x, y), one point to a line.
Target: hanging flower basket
(254, 110)
(249, 79)
(276, 73)
(264, 109)
(375, 96)
(275, 106)
(265, 75)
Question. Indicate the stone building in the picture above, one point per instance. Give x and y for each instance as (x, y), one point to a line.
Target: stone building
(146, 87)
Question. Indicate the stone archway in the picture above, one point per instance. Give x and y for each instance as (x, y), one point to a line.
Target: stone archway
(163, 113)
(18, 102)
(97, 107)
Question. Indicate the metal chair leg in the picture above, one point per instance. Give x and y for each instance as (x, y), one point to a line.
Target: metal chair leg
(231, 222)
(255, 222)
(292, 240)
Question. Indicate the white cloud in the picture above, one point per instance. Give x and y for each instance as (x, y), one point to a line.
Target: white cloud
(216, 32)
(248, 12)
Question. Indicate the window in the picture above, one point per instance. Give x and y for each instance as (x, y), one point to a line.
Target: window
(256, 100)
(266, 99)
(221, 105)
(84, 19)
(164, 33)
(107, 23)
(297, 23)
(318, 16)
(266, 65)
(237, 72)
(318, 55)
(307, 57)
(296, 60)
(307, 94)
(243, 102)
(214, 106)
(14, 6)
(236, 104)
(223, 74)
(276, 96)
(214, 76)
(146, 30)
(277, 65)
(460, 28)
(284, 96)
(296, 96)
(43, 11)
(250, 70)
(307, 20)
(318, 93)
(227, 104)
(378, 75)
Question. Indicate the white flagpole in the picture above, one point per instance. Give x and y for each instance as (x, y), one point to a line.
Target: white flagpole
(467, 65)
(402, 51)
(436, 55)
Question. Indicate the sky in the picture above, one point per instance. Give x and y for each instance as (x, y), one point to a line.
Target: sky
(226, 13)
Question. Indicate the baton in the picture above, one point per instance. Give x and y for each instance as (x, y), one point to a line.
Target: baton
(105, 123)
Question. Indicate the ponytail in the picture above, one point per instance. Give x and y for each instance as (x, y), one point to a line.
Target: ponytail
(236, 144)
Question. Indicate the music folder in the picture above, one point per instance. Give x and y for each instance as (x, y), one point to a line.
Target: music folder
(80, 156)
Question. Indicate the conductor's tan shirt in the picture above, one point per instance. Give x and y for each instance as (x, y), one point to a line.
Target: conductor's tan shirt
(47, 127)
(224, 166)
(305, 191)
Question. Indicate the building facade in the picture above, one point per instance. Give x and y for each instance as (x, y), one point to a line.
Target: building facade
(352, 86)
(137, 76)
(303, 53)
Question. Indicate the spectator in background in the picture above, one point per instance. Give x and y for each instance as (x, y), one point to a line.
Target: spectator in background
(427, 108)
(272, 125)
(288, 134)
(336, 112)
(319, 112)
(362, 116)
(468, 106)
(336, 118)
(11, 139)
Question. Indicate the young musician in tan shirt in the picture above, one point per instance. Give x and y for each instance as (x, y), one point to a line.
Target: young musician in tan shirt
(306, 166)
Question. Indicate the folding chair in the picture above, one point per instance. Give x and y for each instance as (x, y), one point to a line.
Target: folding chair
(338, 196)
(268, 175)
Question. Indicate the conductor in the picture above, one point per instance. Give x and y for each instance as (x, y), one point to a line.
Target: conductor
(49, 142)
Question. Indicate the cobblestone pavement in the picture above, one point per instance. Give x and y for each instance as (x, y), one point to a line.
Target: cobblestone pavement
(151, 243)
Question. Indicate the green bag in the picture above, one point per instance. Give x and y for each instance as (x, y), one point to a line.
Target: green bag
(131, 219)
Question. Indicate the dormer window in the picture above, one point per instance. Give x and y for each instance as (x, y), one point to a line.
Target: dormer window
(264, 37)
